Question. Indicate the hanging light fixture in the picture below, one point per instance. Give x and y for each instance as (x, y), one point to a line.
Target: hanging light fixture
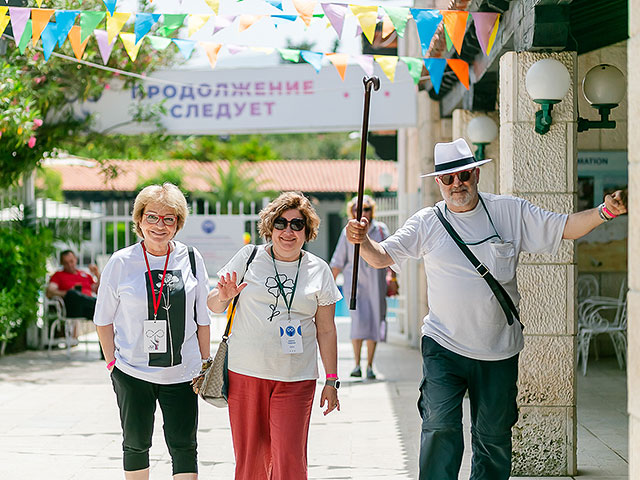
(547, 83)
(603, 87)
(481, 130)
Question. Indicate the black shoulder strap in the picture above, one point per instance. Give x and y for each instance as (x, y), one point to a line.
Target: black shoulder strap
(192, 261)
(498, 290)
(235, 300)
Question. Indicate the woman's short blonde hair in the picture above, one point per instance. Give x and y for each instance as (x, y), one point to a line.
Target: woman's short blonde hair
(289, 201)
(366, 200)
(167, 194)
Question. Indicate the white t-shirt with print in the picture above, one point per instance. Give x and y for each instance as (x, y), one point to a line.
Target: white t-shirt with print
(464, 315)
(124, 300)
(254, 343)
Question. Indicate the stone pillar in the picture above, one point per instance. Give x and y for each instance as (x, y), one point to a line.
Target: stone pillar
(542, 169)
(633, 308)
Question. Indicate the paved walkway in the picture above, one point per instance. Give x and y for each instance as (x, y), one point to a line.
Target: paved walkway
(59, 421)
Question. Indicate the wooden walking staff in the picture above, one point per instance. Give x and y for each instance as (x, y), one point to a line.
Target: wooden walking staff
(368, 83)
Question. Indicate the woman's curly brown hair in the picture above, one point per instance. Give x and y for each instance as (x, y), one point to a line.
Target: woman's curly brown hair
(289, 201)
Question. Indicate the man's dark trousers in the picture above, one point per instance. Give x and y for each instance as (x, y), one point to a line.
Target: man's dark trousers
(492, 389)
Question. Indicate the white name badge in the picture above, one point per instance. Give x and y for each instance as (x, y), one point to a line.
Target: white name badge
(155, 336)
(290, 336)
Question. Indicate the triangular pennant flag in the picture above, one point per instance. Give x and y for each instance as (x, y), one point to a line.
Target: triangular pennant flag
(77, 45)
(26, 36)
(436, 67)
(115, 23)
(398, 16)
(305, 9)
(185, 46)
(88, 23)
(19, 17)
(247, 20)
(233, 49)
(427, 22)
(448, 40)
(265, 50)
(289, 55)
(49, 39)
(387, 26)
(493, 36)
(414, 65)
(367, 18)
(104, 45)
(172, 21)
(39, 20)
(130, 45)
(335, 13)
(111, 6)
(39, 3)
(196, 22)
(276, 3)
(291, 18)
(4, 19)
(222, 21)
(339, 61)
(159, 43)
(312, 58)
(366, 63)
(455, 24)
(485, 24)
(212, 50)
(213, 5)
(65, 20)
(388, 63)
(144, 22)
(461, 69)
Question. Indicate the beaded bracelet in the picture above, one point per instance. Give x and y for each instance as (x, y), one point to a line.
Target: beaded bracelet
(604, 216)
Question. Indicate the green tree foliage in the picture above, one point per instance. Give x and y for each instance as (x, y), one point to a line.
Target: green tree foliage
(173, 175)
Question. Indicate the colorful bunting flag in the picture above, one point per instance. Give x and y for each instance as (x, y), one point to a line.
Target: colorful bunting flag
(26, 36)
(115, 23)
(366, 63)
(414, 65)
(78, 46)
(130, 45)
(275, 3)
(196, 22)
(19, 18)
(159, 43)
(339, 61)
(335, 13)
(387, 26)
(104, 45)
(172, 21)
(435, 67)
(455, 24)
(49, 39)
(234, 49)
(39, 3)
(305, 9)
(312, 58)
(4, 19)
(111, 6)
(39, 20)
(213, 5)
(223, 21)
(398, 16)
(461, 69)
(65, 20)
(144, 22)
(289, 55)
(388, 63)
(486, 24)
(448, 40)
(212, 50)
(291, 18)
(247, 20)
(367, 18)
(88, 23)
(185, 46)
(427, 22)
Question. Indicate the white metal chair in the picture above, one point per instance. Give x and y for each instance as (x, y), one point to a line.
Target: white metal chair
(603, 315)
(60, 320)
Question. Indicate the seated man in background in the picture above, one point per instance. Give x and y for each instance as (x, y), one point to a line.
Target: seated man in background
(76, 287)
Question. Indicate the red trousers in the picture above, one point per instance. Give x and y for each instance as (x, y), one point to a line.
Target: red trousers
(270, 426)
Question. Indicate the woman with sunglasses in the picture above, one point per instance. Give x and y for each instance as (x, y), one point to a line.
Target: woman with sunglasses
(284, 315)
(153, 324)
(368, 319)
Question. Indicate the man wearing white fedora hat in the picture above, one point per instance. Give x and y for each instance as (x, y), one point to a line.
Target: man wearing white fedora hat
(472, 334)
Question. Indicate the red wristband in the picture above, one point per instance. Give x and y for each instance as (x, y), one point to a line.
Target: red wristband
(111, 364)
(608, 212)
(331, 375)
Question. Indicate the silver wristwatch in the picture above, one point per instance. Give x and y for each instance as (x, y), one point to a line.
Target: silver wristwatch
(335, 383)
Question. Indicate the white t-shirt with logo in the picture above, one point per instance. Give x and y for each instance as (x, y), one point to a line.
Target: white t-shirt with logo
(124, 300)
(254, 343)
(464, 315)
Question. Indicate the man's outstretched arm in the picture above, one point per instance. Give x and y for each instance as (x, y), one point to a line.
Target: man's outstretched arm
(370, 250)
(580, 223)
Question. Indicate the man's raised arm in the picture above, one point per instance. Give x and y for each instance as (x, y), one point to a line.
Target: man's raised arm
(580, 223)
(370, 250)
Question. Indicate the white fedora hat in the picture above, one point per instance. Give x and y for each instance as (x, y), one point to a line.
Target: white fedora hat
(454, 157)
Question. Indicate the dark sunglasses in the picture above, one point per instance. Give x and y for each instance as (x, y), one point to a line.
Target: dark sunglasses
(464, 176)
(364, 209)
(297, 224)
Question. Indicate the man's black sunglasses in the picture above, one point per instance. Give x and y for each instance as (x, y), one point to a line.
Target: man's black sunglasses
(464, 176)
(297, 224)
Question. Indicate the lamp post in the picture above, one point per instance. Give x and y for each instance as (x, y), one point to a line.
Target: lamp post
(481, 130)
(603, 87)
(547, 83)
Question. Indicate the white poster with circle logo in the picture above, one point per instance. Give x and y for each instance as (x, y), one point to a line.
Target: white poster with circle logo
(217, 238)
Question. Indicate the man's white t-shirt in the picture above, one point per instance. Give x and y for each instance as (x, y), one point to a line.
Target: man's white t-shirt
(254, 343)
(124, 300)
(464, 315)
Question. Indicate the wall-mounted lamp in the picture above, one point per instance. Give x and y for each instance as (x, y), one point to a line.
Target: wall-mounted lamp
(547, 83)
(385, 180)
(603, 87)
(481, 130)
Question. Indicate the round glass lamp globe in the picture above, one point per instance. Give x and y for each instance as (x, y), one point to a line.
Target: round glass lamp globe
(482, 129)
(604, 85)
(547, 79)
(385, 180)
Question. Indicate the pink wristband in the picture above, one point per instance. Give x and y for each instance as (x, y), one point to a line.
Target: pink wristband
(606, 210)
(111, 364)
(331, 375)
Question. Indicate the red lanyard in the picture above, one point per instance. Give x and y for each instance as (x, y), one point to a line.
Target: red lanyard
(156, 305)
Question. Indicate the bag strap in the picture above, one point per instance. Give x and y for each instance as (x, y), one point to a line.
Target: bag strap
(232, 310)
(192, 261)
(498, 290)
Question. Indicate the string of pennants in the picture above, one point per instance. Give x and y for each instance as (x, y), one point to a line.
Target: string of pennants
(33, 24)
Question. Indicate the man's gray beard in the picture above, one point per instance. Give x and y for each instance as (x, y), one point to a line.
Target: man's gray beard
(456, 200)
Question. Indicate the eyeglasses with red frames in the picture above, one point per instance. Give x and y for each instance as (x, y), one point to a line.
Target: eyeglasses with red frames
(168, 220)
(464, 176)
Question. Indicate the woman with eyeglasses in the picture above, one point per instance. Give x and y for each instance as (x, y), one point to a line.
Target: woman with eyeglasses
(284, 315)
(153, 324)
(368, 319)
